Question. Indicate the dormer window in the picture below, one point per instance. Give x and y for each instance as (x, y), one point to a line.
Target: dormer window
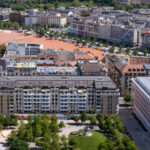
(129, 69)
(134, 69)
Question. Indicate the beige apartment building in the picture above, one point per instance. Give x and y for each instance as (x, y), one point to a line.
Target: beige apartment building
(121, 72)
(61, 94)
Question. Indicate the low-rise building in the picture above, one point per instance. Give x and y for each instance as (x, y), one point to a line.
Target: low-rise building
(141, 100)
(58, 94)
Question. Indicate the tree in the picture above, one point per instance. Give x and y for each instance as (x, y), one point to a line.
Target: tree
(46, 145)
(93, 120)
(76, 3)
(145, 52)
(21, 130)
(107, 145)
(42, 32)
(46, 125)
(73, 142)
(29, 135)
(102, 146)
(111, 50)
(61, 125)
(53, 125)
(38, 130)
(128, 97)
(2, 49)
(106, 44)
(6, 121)
(1, 126)
(128, 50)
(37, 126)
(83, 116)
(136, 52)
(16, 143)
(110, 145)
(120, 49)
(38, 142)
(15, 25)
(65, 143)
(46, 137)
(76, 119)
(100, 43)
(55, 143)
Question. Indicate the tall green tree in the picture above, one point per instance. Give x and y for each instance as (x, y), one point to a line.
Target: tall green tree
(145, 52)
(21, 130)
(84, 116)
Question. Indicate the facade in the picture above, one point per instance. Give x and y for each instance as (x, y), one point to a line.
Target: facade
(4, 14)
(141, 100)
(18, 17)
(22, 49)
(45, 18)
(121, 34)
(57, 21)
(46, 69)
(139, 60)
(121, 72)
(112, 32)
(95, 31)
(58, 94)
(146, 39)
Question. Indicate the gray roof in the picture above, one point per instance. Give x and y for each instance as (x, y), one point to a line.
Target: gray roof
(144, 82)
(104, 83)
(91, 67)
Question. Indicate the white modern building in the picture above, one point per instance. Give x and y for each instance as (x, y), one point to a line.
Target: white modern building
(22, 49)
(141, 99)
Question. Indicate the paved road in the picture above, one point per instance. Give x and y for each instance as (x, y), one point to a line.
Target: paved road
(138, 134)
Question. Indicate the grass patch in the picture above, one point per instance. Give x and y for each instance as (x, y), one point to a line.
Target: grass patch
(92, 142)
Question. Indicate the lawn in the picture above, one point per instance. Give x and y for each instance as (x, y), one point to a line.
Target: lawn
(92, 142)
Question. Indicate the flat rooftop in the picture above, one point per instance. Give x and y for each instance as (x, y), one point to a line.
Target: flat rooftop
(144, 82)
(104, 83)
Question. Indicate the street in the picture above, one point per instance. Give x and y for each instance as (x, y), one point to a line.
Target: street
(134, 128)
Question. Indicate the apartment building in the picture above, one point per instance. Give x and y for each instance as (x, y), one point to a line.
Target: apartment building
(48, 69)
(139, 60)
(57, 21)
(141, 99)
(17, 49)
(146, 39)
(45, 18)
(66, 94)
(125, 35)
(4, 14)
(106, 31)
(95, 31)
(122, 72)
(18, 17)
